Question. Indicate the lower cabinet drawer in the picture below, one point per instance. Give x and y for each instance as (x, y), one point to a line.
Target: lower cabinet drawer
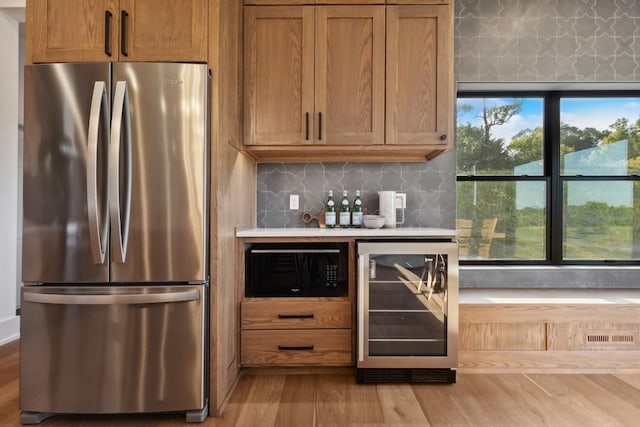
(322, 347)
(295, 314)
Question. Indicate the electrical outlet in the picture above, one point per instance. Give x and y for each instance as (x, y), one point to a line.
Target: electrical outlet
(403, 198)
(294, 202)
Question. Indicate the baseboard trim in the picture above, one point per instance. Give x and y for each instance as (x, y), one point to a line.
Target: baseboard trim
(9, 329)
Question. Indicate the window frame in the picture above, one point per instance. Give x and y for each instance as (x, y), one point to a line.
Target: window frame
(551, 173)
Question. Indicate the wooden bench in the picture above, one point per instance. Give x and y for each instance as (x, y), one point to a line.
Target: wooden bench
(549, 330)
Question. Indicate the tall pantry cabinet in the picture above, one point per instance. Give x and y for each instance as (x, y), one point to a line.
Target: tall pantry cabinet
(117, 30)
(347, 81)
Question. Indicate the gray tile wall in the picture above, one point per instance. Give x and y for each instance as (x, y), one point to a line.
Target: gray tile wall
(547, 40)
(495, 41)
(430, 188)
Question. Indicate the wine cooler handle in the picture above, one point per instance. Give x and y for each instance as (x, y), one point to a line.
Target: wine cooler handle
(361, 291)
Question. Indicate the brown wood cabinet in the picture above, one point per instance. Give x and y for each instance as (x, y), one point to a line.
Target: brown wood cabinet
(278, 52)
(300, 2)
(296, 332)
(319, 85)
(314, 75)
(419, 75)
(316, 347)
(419, 1)
(116, 30)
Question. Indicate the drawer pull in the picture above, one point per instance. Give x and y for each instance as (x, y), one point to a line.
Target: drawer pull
(295, 347)
(295, 316)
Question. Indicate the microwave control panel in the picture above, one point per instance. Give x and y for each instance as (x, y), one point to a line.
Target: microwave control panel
(331, 276)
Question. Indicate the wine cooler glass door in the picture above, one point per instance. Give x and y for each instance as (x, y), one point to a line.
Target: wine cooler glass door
(407, 297)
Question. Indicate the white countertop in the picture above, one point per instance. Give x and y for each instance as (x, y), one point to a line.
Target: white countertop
(425, 232)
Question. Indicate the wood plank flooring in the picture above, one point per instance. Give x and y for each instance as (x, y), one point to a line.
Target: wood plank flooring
(334, 399)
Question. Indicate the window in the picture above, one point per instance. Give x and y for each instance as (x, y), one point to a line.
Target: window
(548, 177)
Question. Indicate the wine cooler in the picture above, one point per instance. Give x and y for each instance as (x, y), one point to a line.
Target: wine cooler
(407, 312)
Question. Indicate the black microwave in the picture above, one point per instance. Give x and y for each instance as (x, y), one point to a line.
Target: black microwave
(315, 269)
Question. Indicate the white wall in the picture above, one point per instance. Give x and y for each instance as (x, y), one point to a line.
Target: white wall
(11, 12)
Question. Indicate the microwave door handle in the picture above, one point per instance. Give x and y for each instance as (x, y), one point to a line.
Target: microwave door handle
(120, 215)
(101, 299)
(295, 251)
(98, 232)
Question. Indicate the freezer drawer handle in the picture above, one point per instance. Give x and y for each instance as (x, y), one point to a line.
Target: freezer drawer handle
(295, 348)
(166, 297)
(97, 209)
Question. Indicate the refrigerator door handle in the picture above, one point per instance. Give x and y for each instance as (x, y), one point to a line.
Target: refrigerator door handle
(120, 215)
(155, 298)
(98, 221)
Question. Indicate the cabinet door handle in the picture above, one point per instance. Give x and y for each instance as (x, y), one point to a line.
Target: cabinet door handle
(295, 316)
(124, 19)
(443, 137)
(107, 32)
(320, 126)
(295, 348)
(306, 126)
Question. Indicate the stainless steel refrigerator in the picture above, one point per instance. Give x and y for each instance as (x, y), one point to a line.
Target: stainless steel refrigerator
(115, 240)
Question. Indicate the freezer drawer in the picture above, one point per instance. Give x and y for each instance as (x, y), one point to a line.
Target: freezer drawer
(112, 349)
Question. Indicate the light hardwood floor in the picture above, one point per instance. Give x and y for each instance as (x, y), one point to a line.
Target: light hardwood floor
(288, 400)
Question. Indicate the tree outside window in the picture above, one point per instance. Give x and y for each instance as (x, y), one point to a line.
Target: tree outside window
(515, 153)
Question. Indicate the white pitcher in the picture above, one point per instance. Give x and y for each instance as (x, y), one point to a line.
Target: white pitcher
(388, 205)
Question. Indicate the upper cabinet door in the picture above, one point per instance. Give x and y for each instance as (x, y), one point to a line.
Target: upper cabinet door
(419, 75)
(350, 57)
(419, 1)
(112, 30)
(72, 30)
(163, 30)
(301, 2)
(278, 75)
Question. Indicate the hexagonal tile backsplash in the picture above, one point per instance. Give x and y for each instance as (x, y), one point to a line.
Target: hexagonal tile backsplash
(430, 188)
